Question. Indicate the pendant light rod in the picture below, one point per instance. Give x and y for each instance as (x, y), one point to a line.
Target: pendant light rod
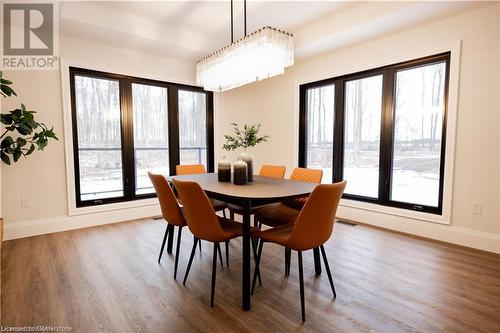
(232, 35)
(244, 20)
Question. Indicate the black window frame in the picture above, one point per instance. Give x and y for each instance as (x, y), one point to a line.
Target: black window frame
(386, 132)
(127, 131)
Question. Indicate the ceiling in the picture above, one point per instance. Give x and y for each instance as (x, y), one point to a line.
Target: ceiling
(189, 30)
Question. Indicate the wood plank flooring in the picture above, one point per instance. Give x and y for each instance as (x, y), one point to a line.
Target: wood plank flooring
(106, 279)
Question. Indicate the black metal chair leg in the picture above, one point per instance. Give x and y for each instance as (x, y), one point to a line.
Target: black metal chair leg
(227, 254)
(327, 267)
(257, 263)
(231, 215)
(193, 250)
(301, 282)
(255, 242)
(179, 236)
(214, 271)
(163, 243)
(224, 213)
(288, 258)
(199, 243)
(220, 255)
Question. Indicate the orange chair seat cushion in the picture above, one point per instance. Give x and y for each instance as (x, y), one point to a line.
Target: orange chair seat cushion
(276, 214)
(279, 235)
(233, 229)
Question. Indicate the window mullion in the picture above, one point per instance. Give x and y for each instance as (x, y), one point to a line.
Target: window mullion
(127, 138)
(210, 130)
(338, 132)
(173, 128)
(386, 133)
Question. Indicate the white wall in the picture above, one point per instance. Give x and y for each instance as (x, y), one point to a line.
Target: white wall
(42, 176)
(274, 103)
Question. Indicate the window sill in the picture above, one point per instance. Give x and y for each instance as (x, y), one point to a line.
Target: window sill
(410, 214)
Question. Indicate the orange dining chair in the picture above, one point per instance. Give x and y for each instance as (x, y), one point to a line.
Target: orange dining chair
(194, 169)
(273, 171)
(287, 211)
(171, 212)
(312, 229)
(204, 224)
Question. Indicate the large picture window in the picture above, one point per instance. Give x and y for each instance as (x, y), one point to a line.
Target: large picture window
(387, 136)
(124, 127)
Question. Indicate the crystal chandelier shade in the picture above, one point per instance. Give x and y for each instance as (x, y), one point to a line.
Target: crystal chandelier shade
(257, 56)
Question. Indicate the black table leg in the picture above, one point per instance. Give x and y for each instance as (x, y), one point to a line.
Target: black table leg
(317, 261)
(245, 280)
(170, 241)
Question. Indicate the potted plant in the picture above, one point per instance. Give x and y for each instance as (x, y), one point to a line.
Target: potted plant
(244, 138)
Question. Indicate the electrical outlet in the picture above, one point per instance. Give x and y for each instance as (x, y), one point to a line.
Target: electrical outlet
(26, 202)
(477, 208)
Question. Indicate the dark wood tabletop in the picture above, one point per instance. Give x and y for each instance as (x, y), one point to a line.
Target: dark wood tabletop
(262, 188)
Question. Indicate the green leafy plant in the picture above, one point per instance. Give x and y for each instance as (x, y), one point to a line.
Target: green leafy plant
(245, 138)
(31, 134)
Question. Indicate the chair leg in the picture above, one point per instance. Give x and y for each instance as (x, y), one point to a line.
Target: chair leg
(255, 241)
(227, 254)
(257, 263)
(199, 243)
(288, 257)
(231, 215)
(220, 255)
(301, 282)
(163, 243)
(224, 213)
(179, 237)
(193, 250)
(327, 267)
(214, 272)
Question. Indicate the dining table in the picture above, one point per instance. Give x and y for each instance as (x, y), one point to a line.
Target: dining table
(262, 190)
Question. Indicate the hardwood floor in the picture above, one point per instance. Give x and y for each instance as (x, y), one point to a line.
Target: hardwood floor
(107, 279)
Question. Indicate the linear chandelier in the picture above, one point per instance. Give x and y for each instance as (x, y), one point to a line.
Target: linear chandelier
(257, 56)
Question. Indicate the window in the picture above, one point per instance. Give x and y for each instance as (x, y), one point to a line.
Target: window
(419, 110)
(320, 112)
(387, 135)
(99, 137)
(124, 127)
(363, 105)
(193, 127)
(150, 108)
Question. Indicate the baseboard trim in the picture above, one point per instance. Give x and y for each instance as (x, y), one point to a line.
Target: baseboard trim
(15, 230)
(480, 240)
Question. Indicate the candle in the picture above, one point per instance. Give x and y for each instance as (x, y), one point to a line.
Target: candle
(240, 172)
(224, 170)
